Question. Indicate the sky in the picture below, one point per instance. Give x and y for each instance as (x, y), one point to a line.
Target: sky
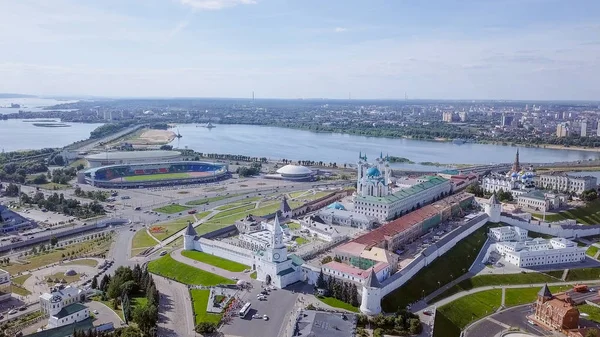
(375, 49)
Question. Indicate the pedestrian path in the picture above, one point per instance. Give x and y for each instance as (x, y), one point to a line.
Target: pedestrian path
(564, 275)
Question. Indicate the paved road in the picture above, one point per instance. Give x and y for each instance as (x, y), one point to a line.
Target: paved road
(175, 314)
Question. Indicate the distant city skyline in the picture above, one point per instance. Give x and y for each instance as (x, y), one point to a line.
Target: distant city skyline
(471, 49)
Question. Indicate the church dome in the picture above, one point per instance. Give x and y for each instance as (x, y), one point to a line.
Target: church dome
(373, 172)
(337, 205)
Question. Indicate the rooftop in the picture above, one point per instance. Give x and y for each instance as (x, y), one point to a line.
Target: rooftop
(342, 213)
(312, 323)
(294, 170)
(70, 309)
(66, 330)
(432, 181)
(134, 155)
(535, 194)
(355, 271)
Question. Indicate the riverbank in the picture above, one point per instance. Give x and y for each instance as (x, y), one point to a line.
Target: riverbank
(153, 137)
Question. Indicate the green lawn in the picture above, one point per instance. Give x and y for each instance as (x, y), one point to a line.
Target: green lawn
(493, 280)
(19, 290)
(230, 219)
(444, 269)
(334, 302)
(591, 252)
(20, 279)
(237, 210)
(253, 275)
(583, 274)
(518, 296)
(56, 255)
(82, 262)
(588, 215)
(469, 308)
(166, 266)
(199, 303)
(158, 176)
(170, 209)
(175, 226)
(53, 186)
(294, 195)
(293, 226)
(592, 311)
(244, 202)
(209, 200)
(215, 261)
(444, 327)
(135, 301)
(300, 241)
(142, 239)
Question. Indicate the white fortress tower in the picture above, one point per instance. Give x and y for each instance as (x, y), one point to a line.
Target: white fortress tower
(188, 237)
(371, 296)
(493, 209)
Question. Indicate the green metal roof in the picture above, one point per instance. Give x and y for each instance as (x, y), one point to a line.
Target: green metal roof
(536, 194)
(432, 181)
(70, 309)
(286, 271)
(296, 260)
(66, 330)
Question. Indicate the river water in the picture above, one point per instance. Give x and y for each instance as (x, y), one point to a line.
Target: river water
(33, 104)
(16, 134)
(277, 143)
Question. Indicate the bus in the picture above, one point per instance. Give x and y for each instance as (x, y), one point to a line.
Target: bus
(245, 309)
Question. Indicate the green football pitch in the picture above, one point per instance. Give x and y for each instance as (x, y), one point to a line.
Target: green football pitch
(158, 176)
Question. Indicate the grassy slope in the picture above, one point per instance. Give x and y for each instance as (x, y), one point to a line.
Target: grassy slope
(589, 214)
(591, 251)
(472, 307)
(199, 303)
(334, 302)
(215, 261)
(171, 209)
(174, 226)
(518, 296)
(209, 200)
(583, 274)
(166, 266)
(142, 239)
(444, 269)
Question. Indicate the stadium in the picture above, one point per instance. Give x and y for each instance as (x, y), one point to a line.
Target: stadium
(156, 174)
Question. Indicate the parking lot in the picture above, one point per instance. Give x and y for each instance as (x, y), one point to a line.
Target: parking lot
(278, 305)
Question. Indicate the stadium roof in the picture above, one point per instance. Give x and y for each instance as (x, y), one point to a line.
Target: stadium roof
(158, 154)
(294, 170)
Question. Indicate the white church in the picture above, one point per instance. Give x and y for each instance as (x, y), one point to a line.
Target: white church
(273, 265)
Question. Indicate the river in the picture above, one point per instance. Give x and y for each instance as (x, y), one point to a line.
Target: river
(17, 134)
(277, 143)
(33, 104)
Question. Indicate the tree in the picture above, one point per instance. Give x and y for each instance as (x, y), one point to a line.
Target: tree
(53, 241)
(337, 259)
(126, 304)
(11, 190)
(40, 179)
(129, 287)
(321, 280)
(414, 326)
(206, 327)
(95, 282)
(145, 317)
(326, 259)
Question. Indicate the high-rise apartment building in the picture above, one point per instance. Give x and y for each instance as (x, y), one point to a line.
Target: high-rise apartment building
(562, 130)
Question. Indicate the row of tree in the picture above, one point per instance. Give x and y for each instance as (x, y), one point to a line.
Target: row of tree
(94, 195)
(402, 323)
(245, 171)
(125, 284)
(343, 291)
(58, 203)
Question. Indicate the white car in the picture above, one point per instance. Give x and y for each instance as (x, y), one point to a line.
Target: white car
(96, 312)
(256, 316)
(265, 317)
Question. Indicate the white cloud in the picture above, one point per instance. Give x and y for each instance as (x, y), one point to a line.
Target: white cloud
(216, 4)
(340, 29)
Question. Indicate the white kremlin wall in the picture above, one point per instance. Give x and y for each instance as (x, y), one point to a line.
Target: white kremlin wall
(225, 250)
(563, 229)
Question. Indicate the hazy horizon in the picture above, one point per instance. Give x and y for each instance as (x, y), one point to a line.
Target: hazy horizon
(521, 50)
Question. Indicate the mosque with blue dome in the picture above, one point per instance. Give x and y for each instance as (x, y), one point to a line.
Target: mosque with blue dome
(518, 181)
(374, 180)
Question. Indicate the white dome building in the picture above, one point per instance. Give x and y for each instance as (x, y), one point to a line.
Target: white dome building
(293, 172)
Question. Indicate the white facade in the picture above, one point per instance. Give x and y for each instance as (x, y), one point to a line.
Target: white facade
(5, 289)
(540, 201)
(508, 233)
(539, 252)
(375, 198)
(566, 183)
(342, 217)
(272, 264)
(515, 183)
(63, 306)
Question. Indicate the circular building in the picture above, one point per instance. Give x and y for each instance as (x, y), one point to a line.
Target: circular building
(70, 272)
(132, 157)
(295, 172)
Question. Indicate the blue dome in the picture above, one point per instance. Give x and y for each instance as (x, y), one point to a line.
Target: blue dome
(337, 205)
(373, 172)
(515, 174)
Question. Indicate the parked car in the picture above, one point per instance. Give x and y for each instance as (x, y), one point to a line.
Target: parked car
(12, 312)
(265, 317)
(163, 253)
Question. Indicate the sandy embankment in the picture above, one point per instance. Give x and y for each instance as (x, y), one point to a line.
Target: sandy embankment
(154, 137)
